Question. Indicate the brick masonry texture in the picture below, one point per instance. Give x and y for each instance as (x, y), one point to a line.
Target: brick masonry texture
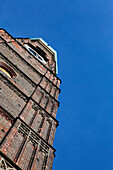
(28, 104)
(5, 123)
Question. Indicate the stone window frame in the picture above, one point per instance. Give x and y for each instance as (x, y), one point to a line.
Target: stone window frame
(8, 70)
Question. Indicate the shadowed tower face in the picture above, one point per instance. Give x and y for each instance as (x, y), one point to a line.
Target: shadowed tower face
(29, 90)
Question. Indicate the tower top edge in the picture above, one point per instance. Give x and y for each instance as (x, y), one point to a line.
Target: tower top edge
(46, 45)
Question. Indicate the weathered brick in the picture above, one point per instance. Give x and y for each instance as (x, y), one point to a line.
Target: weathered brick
(5, 123)
(11, 99)
(28, 99)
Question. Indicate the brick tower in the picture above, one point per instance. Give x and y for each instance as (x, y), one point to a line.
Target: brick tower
(29, 90)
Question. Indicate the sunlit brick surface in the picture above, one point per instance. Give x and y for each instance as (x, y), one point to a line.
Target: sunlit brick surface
(28, 104)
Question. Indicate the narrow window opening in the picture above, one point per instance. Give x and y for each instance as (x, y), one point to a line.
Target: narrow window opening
(37, 52)
(32, 51)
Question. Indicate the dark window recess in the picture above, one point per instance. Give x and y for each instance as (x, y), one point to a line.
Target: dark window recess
(3, 130)
(40, 127)
(39, 51)
(48, 133)
(32, 51)
(42, 94)
(42, 53)
(52, 108)
(44, 163)
(46, 102)
(37, 159)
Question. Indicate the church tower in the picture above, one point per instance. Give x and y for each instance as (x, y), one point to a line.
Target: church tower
(29, 90)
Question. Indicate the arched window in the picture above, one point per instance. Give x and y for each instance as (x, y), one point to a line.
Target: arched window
(7, 70)
(37, 55)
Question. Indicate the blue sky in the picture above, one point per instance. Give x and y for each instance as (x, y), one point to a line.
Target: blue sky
(82, 34)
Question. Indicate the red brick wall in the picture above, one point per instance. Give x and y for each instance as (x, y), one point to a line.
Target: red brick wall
(26, 148)
(11, 99)
(21, 81)
(29, 99)
(5, 123)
